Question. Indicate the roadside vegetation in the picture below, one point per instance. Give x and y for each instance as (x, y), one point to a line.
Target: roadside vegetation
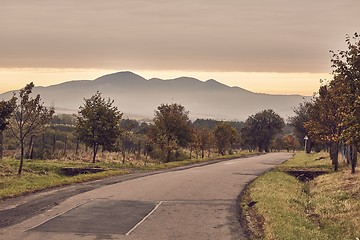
(43, 174)
(278, 205)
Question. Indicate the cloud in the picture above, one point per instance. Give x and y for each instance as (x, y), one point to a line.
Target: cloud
(202, 35)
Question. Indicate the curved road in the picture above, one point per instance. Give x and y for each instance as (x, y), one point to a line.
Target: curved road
(194, 203)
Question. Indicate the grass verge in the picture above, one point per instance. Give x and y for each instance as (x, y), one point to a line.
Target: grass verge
(42, 174)
(278, 206)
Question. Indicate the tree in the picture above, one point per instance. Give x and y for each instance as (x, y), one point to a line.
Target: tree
(6, 109)
(225, 137)
(302, 115)
(206, 139)
(171, 128)
(29, 117)
(290, 142)
(324, 123)
(346, 81)
(261, 128)
(194, 142)
(98, 123)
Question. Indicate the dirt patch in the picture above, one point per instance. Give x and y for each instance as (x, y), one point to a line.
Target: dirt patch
(68, 171)
(250, 220)
(306, 175)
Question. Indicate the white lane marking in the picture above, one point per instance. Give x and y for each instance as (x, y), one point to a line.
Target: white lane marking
(229, 163)
(138, 224)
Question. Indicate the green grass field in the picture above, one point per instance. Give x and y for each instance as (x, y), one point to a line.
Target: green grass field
(326, 208)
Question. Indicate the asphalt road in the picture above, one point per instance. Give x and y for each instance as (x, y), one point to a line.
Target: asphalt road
(192, 203)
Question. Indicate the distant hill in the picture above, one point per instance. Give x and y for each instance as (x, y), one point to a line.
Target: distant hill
(138, 97)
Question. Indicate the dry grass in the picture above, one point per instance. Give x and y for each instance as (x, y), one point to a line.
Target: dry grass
(325, 208)
(335, 200)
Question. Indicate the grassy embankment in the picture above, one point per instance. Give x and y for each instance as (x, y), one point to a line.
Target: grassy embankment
(42, 174)
(327, 207)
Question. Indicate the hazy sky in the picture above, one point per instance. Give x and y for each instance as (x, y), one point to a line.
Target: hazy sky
(275, 46)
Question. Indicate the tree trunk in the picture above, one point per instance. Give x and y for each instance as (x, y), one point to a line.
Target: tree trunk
(95, 149)
(30, 147)
(353, 158)
(139, 149)
(309, 146)
(202, 153)
(348, 154)
(21, 157)
(54, 144)
(168, 156)
(77, 148)
(1, 144)
(65, 146)
(334, 155)
(123, 155)
(43, 146)
(32, 151)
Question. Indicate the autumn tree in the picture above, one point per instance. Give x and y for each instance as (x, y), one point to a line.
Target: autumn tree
(290, 142)
(98, 123)
(346, 81)
(335, 116)
(225, 137)
(29, 117)
(171, 128)
(6, 109)
(261, 128)
(324, 123)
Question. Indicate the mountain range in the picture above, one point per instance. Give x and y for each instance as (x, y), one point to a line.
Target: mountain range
(138, 97)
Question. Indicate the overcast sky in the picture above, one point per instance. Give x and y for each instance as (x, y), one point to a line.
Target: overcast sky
(235, 40)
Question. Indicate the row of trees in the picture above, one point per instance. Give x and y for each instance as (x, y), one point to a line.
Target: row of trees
(99, 125)
(332, 119)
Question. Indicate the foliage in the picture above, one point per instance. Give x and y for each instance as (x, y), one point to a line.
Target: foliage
(171, 128)
(346, 72)
(225, 137)
(302, 115)
(129, 124)
(6, 109)
(29, 117)
(64, 119)
(324, 122)
(261, 128)
(287, 141)
(212, 124)
(206, 139)
(98, 123)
